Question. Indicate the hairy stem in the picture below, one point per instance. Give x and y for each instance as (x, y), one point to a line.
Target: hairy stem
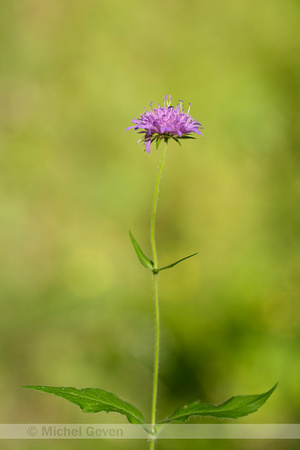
(155, 205)
(156, 297)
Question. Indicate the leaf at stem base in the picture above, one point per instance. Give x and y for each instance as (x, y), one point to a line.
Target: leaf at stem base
(93, 400)
(233, 408)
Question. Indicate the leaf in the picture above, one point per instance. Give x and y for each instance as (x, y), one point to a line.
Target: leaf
(233, 408)
(187, 137)
(178, 141)
(93, 400)
(146, 262)
(177, 262)
(158, 141)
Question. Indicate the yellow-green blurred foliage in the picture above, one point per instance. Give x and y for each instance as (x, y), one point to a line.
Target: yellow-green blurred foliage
(76, 306)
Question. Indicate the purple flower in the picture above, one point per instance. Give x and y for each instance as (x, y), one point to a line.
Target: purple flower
(165, 122)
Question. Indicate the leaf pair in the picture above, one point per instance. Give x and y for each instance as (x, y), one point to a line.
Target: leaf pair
(93, 400)
(148, 263)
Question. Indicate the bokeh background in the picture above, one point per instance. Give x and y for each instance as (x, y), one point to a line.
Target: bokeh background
(76, 306)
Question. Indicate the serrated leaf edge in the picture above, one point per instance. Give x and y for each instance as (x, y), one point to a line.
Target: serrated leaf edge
(44, 390)
(172, 419)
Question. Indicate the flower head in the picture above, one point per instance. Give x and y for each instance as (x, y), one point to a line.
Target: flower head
(165, 122)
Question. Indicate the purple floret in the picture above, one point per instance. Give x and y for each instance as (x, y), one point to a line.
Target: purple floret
(165, 122)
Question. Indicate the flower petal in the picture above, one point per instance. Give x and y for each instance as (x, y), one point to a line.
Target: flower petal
(148, 146)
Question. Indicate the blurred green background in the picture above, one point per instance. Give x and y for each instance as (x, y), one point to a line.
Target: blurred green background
(77, 307)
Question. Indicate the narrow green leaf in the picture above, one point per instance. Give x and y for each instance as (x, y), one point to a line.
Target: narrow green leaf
(146, 262)
(178, 141)
(187, 137)
(177, 262)
(233, 408)
(158, 141)
(93, 400)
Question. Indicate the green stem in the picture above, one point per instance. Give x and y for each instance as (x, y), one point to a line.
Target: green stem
(156, 298)
(155, 205)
